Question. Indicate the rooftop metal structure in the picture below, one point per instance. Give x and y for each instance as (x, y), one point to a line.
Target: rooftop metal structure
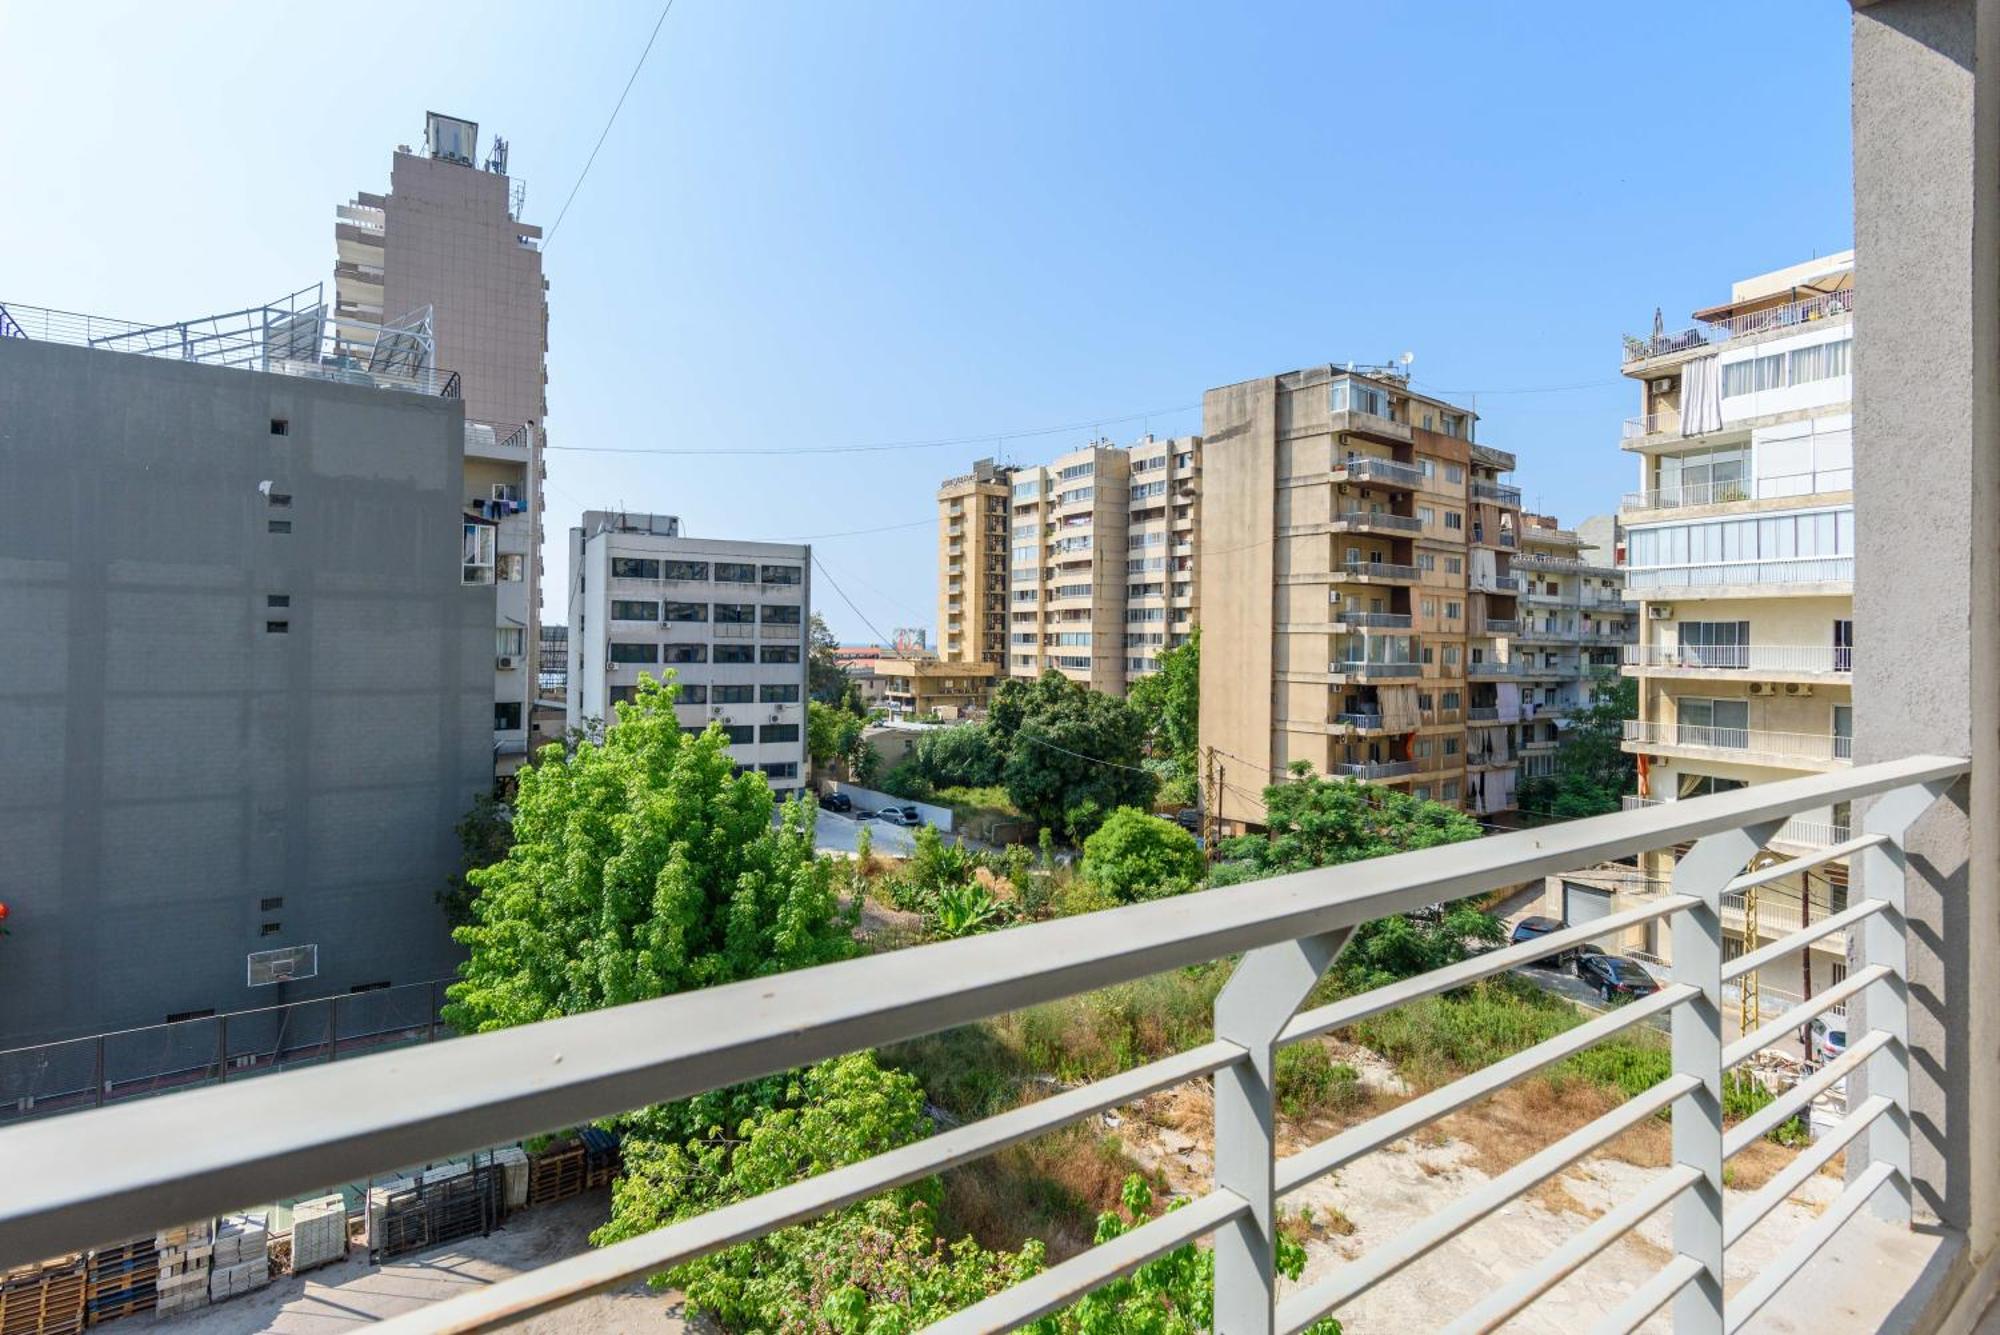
(294, 335)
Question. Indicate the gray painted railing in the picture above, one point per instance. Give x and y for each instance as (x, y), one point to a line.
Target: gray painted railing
(97, 1177)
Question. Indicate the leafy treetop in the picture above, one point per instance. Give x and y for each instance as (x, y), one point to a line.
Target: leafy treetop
(1137, 856)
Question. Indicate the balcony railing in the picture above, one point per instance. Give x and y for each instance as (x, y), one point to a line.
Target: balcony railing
(1499, 493)
(1366, 668)
(1360, 721)
(1750, 745)
(1379, 519)
(1373, 769)
(1368, 468)
(1776, 487)
(1488, 667)
(1796, 831)
(1787, 316)
(1778, 659)
(1372, 620)
(1501, 626)
(1485, 583)
(1733, 574)
(105, 1175)
(1375, 570)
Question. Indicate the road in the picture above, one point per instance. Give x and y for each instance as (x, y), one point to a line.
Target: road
(835, 833)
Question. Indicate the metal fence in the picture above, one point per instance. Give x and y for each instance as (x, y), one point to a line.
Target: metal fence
(209, 1150)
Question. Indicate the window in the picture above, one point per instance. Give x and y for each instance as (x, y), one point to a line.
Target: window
(684, 570)
(1454, 473)
(1453, 519)
(1454, 565)
(277, 627)
(739, 734)
(1429, 653)
(627, 609)
(280, 499)
(279, 526)
(1027, 490)
(1423, 793)
(285, 600)
(513, 567)
(509, 640)
(625, 695)
(281, 426)
(692, 693)
(506, 716)
(778, 695)
(1453, 611)
(1451, 699)
(628, 652)
(1843, 646)
(1843, 732)
(1076, 471)
(1718, 723)
(674, 611)
(1424, 748)
(1714, 644)
(1427, 514)
(634, 567)
(781, 616)
(1426, 561)
(779, 653)
(1452, 654)
(783, 575)
(1357, 396)
(1429, 605)
(1450, 793)
(735, 572)
(270, 929)
(778, 732)
(735, 653)
(785, 769)
(271, 905)
(1451, 746)
(733, 695)
(687, 653)
(735, 614)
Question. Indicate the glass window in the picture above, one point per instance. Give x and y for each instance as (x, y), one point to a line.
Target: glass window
(692, 693)
(687, 653)
(513, 567)
(783, 575)
(735, 614)
(778, 695)
(736, 572)
(735, 653)
(733, 695)
(634, 567)
(685, 611)
(622, 652)
(684, 570)
(778, 732)
(781, 616)
(788, 769)
(779, 653)
(623, 609)
(739, 734)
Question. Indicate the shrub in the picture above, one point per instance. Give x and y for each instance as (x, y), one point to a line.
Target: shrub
(1135, 856)
(1744, 1095)
(964, 910)
(1311, 1081)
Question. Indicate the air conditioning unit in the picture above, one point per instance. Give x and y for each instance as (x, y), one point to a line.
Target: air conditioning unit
(1797, 688)
(1763, 688)
(1663, 384)
(1659, 611)
(503, 663)
(715, 711)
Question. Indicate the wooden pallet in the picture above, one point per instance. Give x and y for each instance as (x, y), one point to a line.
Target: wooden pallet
(46, 1299)
(556, 1174)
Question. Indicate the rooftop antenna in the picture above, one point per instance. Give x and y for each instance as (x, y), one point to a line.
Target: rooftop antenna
(496, 156)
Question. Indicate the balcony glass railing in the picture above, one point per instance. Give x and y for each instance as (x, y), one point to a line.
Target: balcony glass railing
(1734, 574)
(210, 1151)
(1498, 492)
(1799, 659)
(1741, 489)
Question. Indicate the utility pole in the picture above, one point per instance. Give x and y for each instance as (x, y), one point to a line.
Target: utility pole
(1211, 800)
(1805, 959)
(1752, 1004)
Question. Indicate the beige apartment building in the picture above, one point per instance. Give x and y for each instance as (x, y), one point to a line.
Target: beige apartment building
(913, 687)
(1574, 624)
(1740, 560)
(1367, 543)
(448, 235)
(1101, 576)
(972, 565)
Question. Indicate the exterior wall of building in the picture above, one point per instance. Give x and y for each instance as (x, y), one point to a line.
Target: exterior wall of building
(972, 565)
(445, 236)
(1341, 525)
(920, 687)
(729, 619)
(225, 737)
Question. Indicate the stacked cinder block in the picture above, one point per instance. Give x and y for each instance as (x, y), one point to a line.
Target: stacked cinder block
(513, 1164)
(184, 1262)
(241, 1261)
(319, 1232)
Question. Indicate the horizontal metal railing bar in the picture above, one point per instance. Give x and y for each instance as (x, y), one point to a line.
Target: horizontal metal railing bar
(1576, 1252)
(1651, 1296)
(1378, 1263)
(1059, 1286)
(1350, 1010)
(1819, 857)
(565, 1281)
(1747, 1301)
(1317, 1161)
(1801, 1169)
(1799, 940)
(1796, 1017)
(1800, 1096)
(289, 1133)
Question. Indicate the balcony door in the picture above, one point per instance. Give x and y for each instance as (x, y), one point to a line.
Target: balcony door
(1718, 723)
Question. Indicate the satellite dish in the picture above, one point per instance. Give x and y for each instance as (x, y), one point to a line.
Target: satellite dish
(1407, 358)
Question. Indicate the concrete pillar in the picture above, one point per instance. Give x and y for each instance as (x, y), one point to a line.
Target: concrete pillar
(1927, 573)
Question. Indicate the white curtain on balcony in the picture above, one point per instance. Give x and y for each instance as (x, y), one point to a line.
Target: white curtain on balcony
(1399, 708)
(1701, 396)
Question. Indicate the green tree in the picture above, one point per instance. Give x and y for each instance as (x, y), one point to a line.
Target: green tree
(1137, 856)
(826, 680)
(832, 733)
(642, 866)
(485, 833)
(1592, 771)
(1169, 701)
(1073, 754)
(966, 756)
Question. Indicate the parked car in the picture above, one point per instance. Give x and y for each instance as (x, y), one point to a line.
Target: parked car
(1828, 1037)
(1529, 928)
(1188, 819)
(1615, 977)
(904, 816)
(835, 802)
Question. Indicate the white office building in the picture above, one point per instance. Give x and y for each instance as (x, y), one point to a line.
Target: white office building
(728, 618)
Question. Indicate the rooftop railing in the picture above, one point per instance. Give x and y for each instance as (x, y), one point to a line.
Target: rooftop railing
(1770, 319)
(101, 1176)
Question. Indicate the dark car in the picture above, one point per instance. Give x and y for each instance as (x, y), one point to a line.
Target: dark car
(1188, 819)
(1529, 928)
(836, 802)
(1615, 977)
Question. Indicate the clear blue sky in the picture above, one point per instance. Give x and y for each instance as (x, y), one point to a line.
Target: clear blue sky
(822, 224)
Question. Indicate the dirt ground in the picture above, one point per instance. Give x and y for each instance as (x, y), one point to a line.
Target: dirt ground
(344, 1297)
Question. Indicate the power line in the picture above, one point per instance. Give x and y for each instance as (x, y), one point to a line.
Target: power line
(550, 235)
(877, 447)
(856, 532)
(880, 638)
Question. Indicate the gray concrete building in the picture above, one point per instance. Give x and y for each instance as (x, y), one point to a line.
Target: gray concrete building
(245, 692)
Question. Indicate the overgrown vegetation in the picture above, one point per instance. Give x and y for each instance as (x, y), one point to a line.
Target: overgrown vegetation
(1592, 771)
(485, 833)
(1169, 703)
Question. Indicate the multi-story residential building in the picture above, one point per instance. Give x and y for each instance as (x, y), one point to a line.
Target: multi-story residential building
(1740, 556)
(727, 618)
(924, 687)
(1368, 545)
(448, 235)
(1574, 623)
(972, 565)
(1102, 563)
(245, 669)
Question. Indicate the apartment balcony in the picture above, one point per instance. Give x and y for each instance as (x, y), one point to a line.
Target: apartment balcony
(1375, 521)
(1774, 662)
(1368, 468)
(1357, 722)
(1499, 493)
(1373, 770)
(1499, 626)
(1375, 572)
(1774, 319)
(1489, 669)
(1747, 746)
(1498, 757)
(1481, 582)
(1356, 422)
(1691, 495)
(1350, 619)
(1351, 670)
(1819, 574)
(1796, 832)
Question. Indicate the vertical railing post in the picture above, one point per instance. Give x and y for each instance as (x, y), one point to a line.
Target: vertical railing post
(1261, 996)
(1697, 1041)
(100, 1071)
(1885, 1006)
(222, 1049)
